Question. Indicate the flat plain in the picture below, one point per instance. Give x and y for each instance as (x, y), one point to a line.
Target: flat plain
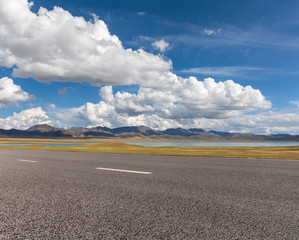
(116, 146)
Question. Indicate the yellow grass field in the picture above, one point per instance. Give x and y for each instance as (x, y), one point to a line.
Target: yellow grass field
(115, 146)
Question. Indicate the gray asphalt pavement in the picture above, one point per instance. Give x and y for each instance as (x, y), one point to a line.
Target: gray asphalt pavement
(62, 195)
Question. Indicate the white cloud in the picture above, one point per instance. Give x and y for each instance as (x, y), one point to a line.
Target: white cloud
(184, 102)
(141, 13)
(263, 123)
(26, 119)
(209, 31)
(52, 106)
(101, 114)
(238, 71)
(56, 46)
(231, 36)
(235, 71)
(161, 45)
(106, 93)
(190, 98)
(296, 103)
(11, 93)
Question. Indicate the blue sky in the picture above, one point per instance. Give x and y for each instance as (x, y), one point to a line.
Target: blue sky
(78, 63)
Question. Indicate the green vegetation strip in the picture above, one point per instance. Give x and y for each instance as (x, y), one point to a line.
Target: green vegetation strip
(234, 152)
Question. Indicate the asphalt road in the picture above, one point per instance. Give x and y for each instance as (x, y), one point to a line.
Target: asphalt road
(61, 195)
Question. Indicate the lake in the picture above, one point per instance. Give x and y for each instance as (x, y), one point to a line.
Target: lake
(214, 144)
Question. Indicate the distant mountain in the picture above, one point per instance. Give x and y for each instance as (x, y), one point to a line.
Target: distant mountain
(77, 131)
(222, 134)
(196, 130)
(281, 135)
(195, 133)
(146, 131)
(44, 128)
(47, 131)
(178, 132)
(100, 129)
(99, 132)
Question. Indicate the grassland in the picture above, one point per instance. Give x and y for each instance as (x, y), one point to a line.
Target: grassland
(106, 146)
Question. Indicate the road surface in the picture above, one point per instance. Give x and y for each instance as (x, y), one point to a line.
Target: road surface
(65, 195)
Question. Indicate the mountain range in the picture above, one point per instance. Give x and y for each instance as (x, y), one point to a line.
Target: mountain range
(47, 131)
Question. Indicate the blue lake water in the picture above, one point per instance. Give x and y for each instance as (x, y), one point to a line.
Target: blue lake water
(214, 144)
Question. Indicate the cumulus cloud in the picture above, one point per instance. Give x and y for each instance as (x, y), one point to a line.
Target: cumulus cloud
(102, 114)
(11, 93)
(56, 46)
(264, 123)
(185, 102)
(106, 93)
(190, 98)
(161, 45)
(26, 119)
(53, 45)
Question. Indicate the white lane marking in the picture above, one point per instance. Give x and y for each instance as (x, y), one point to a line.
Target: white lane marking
(122, 170)
(24, 160)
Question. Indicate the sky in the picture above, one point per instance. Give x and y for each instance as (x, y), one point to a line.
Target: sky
(218, 65)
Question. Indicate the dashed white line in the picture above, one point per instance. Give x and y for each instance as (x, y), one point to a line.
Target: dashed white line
(122, 170)
(24, 160)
